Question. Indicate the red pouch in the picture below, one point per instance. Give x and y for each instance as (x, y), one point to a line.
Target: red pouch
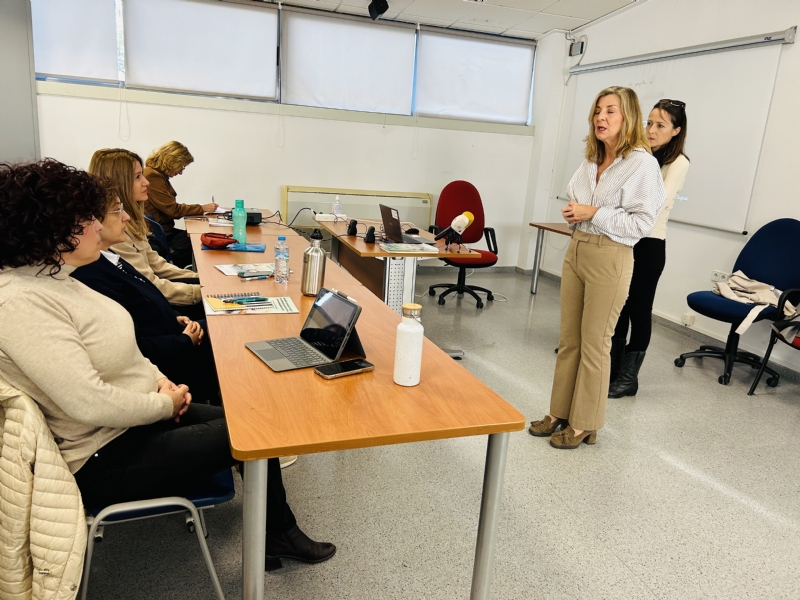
(215, 241)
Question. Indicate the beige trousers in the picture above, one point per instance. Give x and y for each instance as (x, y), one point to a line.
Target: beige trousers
(594, 286)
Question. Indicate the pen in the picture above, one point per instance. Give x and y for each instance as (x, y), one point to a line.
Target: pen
(338, 293)
(246, 277)
(255, 300)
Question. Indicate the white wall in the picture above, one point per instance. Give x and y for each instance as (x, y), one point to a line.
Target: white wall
(692, 252)
(251, 155)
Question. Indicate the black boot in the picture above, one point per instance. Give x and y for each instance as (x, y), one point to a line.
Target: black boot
(296, 545)
(617, 354)
(627, 382)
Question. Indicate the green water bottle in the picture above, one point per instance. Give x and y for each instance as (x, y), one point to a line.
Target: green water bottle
(239, 216)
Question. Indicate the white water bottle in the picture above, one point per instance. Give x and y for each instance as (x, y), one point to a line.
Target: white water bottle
(337, 207)
(281, 260)
(408, 346)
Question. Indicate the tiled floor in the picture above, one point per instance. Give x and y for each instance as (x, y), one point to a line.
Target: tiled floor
(691, 491)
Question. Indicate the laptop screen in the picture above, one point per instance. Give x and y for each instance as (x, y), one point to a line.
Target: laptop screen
(328, 323)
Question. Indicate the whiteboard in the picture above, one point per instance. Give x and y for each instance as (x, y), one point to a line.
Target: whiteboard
(727, 97)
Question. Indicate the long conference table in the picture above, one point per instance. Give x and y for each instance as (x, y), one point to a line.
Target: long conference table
(297, 412)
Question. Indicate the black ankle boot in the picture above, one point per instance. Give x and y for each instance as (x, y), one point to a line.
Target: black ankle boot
(296, 545)
(617, 354)
(627, 382)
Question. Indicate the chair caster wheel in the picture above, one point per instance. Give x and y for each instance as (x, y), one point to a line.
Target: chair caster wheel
(773, 381)
(679, 362)
(479, 304)
(441, 301)
(724, 379)
(490, 297)
(431, 292)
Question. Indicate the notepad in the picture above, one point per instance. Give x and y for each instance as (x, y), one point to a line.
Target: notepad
(238, 269)
(225, 304)
(408, 248)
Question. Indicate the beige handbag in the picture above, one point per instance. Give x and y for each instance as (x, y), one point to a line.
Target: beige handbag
(740, 288)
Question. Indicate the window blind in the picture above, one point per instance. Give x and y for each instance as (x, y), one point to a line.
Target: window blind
(472, 78)
(346, 64)
(75, 39)
(201, 46)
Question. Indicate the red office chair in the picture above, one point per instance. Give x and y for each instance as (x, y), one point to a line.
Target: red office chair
(457, 197)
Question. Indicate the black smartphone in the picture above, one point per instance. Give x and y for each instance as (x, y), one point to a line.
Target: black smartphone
(340, 369)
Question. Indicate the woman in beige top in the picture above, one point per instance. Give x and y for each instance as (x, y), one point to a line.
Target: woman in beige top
(666, 132)
(123, 169)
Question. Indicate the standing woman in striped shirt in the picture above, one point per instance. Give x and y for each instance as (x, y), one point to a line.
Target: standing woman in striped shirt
(615, 197)
(666, 132)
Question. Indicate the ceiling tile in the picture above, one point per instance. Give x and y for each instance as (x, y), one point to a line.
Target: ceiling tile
(353, 10)
(496, 16)
(443, 10)
(315, 4)
(544, 22)
(528, 35)
(479, 28)
(531, 5)
(586, 9)
(422, 20)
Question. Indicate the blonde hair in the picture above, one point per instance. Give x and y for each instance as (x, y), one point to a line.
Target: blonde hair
(170, 158)
(632, 134)
(115, 165)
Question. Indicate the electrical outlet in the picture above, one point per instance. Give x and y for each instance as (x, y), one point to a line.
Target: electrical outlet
(719, 276)
(687, 319)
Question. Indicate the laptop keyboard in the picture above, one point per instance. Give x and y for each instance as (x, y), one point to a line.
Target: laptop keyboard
(298, 352)
(410, 239)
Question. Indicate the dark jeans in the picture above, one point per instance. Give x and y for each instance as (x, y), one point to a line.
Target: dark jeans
(649, 256)
(180, 246)
(173, 459)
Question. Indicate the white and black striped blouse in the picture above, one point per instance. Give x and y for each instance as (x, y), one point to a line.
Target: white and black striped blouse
(630, 195)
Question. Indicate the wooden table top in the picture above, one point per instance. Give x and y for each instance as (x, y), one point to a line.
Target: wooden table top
(562, 228)
(360, 247)
(200, 225)
(297, 412)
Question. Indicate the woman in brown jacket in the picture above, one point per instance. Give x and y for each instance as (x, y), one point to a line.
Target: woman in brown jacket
(169, 161)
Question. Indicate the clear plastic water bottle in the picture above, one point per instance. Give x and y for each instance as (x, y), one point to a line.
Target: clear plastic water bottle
(408, 346)
(281, 260)
(337, 207)
(239, 217)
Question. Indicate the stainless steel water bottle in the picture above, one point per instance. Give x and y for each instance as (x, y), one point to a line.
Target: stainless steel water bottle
(313, 266)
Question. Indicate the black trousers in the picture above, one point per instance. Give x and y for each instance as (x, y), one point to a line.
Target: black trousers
(649, 256)
(193, 366)
(173, 459)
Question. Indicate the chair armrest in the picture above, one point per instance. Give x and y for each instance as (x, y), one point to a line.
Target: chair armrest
(434, 229)
(784, 298)
(491, 240)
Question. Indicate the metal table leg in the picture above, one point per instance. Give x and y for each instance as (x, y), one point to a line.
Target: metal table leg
(399, 279)
(537, 260)
(490, 515)
(254, 529)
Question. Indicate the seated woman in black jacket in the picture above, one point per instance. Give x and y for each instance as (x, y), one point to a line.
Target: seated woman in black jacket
(177, 346)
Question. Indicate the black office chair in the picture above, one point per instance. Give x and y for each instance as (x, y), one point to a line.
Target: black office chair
(158, 239)
(770, 257)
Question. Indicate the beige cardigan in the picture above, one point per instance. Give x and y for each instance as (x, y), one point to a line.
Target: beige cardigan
(674, 175)
(147, 261)
(43, 527)
(74, 352)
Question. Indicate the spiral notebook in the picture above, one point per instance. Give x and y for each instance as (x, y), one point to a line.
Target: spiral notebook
(248, 303)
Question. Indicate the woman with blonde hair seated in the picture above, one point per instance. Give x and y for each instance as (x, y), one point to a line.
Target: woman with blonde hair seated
(123, 170)
(615, 196)
(167, 162)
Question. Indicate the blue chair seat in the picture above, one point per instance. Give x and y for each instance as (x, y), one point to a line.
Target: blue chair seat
(716, 307)
(220, 489)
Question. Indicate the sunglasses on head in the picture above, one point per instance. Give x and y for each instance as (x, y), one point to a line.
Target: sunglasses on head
(669, 102)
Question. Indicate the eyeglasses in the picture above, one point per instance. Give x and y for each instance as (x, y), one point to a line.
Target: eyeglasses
(669, 102)
(118, 211)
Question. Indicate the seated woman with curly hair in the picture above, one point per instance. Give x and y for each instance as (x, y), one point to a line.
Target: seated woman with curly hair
(176, 345)
(124, 429)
